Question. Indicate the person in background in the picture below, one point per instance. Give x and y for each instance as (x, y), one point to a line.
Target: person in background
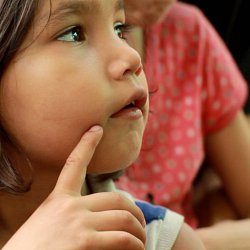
(196, 114)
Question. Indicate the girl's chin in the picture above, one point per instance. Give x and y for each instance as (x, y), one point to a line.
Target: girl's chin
(106, 167)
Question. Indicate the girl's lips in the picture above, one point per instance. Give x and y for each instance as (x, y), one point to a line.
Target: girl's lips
(132, 113)
(134, 107)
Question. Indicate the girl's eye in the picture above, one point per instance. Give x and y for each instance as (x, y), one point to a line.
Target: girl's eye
(74, 34)
(122, 30)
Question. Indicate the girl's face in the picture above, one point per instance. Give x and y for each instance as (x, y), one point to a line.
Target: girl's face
(146, 12)
(74, 71)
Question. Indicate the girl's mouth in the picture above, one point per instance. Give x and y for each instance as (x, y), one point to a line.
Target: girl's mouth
(134, 108)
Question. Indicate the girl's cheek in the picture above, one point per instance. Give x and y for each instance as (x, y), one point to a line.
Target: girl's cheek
(46, 132)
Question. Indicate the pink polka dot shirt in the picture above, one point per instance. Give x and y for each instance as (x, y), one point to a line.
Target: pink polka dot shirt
(198, 90)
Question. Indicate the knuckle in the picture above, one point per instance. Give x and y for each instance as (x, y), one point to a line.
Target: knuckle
(141, 216)
(124, 239)
(144, 237)
(118, 198)
(72, 160)
(129, 241)
(126, 217)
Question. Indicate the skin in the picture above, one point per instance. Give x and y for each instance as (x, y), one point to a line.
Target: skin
(228, 153)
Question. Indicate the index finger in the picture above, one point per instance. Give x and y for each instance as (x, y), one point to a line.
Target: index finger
(73, 173)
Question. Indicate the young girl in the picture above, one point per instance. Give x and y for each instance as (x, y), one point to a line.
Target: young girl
(73, 91)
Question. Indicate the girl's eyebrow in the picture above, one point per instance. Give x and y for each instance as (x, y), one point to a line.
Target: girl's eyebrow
(78, 7)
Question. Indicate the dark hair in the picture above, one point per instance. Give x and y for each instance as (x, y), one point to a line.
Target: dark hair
(16, 17)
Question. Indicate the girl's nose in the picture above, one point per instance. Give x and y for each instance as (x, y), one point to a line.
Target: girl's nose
(124, 61)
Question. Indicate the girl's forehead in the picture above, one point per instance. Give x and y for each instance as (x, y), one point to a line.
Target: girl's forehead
(59, 10)
(54, 15)
(53, 7)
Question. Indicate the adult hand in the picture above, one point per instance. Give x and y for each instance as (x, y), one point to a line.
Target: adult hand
(67, 220)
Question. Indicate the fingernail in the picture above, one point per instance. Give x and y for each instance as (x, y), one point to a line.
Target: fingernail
(95, 128)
